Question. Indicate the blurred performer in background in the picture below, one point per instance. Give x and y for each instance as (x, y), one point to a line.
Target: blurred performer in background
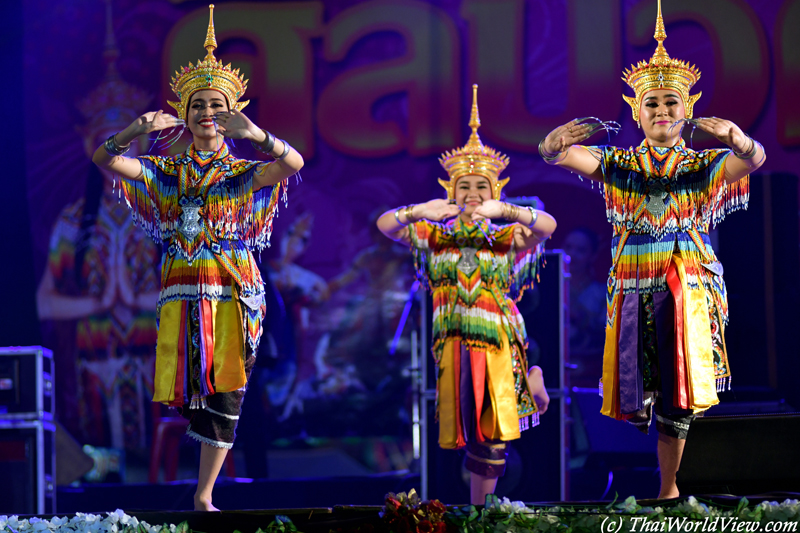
(587, 308)
(476, 271)
(667, 305)
(102, 280)
(209, 210)
(301, 290)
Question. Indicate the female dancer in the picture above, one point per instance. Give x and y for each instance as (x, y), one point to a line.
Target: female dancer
(667, 305)
(476, 271)
(100, 288)
(209, 210)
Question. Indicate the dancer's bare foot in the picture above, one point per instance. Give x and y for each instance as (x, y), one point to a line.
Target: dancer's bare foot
(669, 492)
(537, 389)
(202, 503)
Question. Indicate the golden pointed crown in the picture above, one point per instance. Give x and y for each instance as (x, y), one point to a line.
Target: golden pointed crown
(208, 74)
(474, 159)
(113, 104)
(661, 72)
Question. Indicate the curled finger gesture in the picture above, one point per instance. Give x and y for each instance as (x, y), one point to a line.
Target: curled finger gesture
(573, 132)
(158, 120)
(489, 209)
(437, 210)
(725, 131)
(235, 125)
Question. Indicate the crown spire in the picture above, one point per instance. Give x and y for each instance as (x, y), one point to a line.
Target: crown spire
(474, 158)
(110, 50)
(661, 72)
(114, 103)
(211, 40)
(474, 120)
(660, 56)
(209, 73)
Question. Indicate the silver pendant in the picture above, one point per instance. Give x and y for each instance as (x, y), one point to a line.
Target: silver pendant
(655, 198)
(467, 263)
(191, 223)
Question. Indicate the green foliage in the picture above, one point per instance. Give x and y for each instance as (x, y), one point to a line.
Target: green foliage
(406, 513)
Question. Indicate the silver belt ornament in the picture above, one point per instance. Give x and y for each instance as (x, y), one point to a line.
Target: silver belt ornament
(191, 224)
(656, 197)
(467, 263)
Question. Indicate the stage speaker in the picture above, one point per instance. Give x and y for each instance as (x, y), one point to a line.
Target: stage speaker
(741, 455)
(763, 291)
(536, 469)
(27, 466)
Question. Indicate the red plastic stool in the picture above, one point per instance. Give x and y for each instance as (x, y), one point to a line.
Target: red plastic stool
(168, 431)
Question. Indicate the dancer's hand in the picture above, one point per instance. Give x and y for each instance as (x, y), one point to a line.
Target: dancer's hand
(111, 290)
(537, 389)
(573, 132)
(489, 209)
(126, 292)
(725, 131)
(235, 125)
(436, 210)
(156, 121)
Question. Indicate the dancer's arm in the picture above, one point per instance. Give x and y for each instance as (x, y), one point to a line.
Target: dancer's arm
(288, 161)
(532, 228)
(749, 154)
(128, 167)
(559, 148)
(394, 222)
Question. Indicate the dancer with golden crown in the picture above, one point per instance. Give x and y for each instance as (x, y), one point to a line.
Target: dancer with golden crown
(210, 211)
(667, 305)
(476, 272)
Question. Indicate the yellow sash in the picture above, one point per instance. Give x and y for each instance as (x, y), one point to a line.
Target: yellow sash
(228, 348)
(697, 347)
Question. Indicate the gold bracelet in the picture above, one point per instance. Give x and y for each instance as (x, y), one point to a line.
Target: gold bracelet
(407, 212)
(510, 212)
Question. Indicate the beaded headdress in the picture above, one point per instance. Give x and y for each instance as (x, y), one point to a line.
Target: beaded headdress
(661, 72)
(474, 159)
(208, 74)
(113, 104)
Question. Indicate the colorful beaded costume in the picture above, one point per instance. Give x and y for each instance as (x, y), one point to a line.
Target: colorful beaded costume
(479, 337)
(662, 202)
(202, 208)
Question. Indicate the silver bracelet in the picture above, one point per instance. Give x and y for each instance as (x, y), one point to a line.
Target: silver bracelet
(112, 148)
(270, 143)
(534, 216)
(286, 148)
(748, 154)
(548, 157)
(397, 215)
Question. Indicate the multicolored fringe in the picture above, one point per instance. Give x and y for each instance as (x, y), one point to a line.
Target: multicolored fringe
(695, 197)
(235, 222)
(473, 307)
(722, 383)
(697, 194)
